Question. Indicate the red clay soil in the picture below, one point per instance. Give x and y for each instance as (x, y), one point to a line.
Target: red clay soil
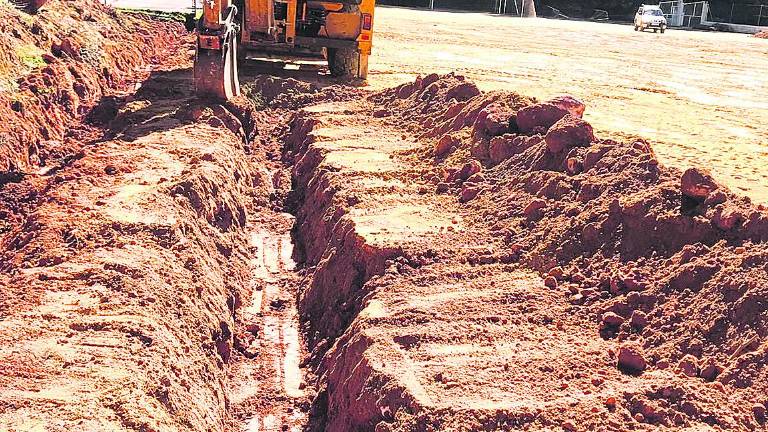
(119, 286)
(57, 63)
(126, 270)
(121, 267)
(669, 262)
(762, 35)
(468, 260)
(648, 310)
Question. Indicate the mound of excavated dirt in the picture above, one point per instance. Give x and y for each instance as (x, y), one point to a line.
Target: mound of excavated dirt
(57, 63)
(669, 263)
(121, 268)
(762, 35)
(120, 274)
(292, 94)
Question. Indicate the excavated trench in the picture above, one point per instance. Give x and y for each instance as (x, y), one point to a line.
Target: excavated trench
(428, 257)
(483, 262)
(157, 282)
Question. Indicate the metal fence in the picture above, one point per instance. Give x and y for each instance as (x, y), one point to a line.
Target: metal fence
(739, 13)
(689, 15)
(468, 5)
(760, 14)
(508, 7)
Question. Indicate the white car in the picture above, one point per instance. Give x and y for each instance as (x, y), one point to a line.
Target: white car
(650, 17)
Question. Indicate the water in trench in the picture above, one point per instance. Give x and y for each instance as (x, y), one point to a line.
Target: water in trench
(270, 389)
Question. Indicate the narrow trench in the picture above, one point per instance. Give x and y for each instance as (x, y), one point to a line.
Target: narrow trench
(267, 385)
(270, 385)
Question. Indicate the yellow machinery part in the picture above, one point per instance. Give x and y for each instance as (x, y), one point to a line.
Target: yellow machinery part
(259, 17)
(290, 23)
(212, 13)
(342, 25)
(215, 72)
(328, 6)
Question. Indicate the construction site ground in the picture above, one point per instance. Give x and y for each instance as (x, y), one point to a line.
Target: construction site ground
(445, 249)
(698, 96)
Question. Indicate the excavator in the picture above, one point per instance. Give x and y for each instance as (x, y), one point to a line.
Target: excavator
(340, 32)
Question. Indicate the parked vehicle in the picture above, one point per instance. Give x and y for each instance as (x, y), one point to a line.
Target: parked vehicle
(650, 17)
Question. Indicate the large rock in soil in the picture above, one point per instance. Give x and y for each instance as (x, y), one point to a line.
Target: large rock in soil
(631, 359)
(493, 121)
(546, 114)
(539, 115)
(569, 132)
(697, 184)
(569, 103)
(445, 145)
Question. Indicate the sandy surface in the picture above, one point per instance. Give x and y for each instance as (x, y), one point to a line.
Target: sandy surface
(698, 97)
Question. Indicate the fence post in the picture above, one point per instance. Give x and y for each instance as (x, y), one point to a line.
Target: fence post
(431, 4)
(760, 17)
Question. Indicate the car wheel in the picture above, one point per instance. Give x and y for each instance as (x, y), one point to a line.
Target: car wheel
(655, 30)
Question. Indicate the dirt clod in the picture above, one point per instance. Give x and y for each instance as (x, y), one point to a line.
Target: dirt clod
(638, 320)
(711, 370)
(544, 115)
(759, 410)
(569, 103)
(611, 319)
(550, 282)
(689, 366)
(445, 145)
(534, 208)
(468, 193)
(567, 133)
(631, 359)
(697, 184)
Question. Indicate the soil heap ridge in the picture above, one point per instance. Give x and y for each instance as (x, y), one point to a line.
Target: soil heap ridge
(58, 63)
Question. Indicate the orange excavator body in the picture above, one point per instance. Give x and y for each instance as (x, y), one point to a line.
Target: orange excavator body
(340, 32)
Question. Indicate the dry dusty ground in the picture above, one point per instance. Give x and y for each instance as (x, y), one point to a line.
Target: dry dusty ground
(425, 257)
(699, 97)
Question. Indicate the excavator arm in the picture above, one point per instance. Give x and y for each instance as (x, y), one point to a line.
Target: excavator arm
(216, 52)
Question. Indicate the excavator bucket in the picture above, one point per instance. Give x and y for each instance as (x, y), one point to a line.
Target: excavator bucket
(215, 68)
(216, 72)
